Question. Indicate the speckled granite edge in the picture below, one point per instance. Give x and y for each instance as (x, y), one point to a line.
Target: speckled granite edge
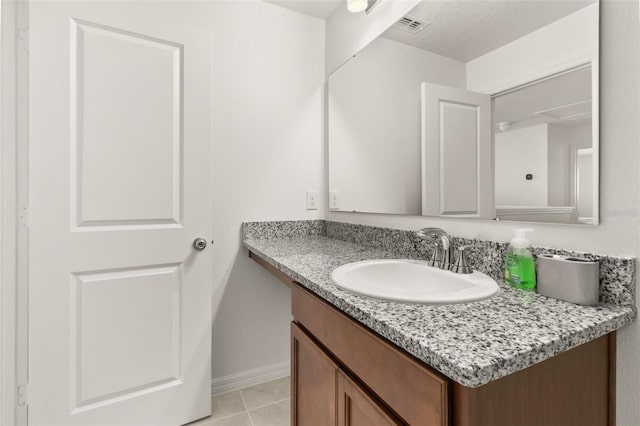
(617, 274)
(450, 338)
(282, 229)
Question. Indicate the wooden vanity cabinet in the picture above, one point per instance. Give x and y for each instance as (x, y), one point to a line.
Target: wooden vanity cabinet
(344, 374)
(322, 394)
(406, 388)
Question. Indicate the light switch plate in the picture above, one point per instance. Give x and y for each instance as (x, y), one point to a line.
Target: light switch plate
(334, 200)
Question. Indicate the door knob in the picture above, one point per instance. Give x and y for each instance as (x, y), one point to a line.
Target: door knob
(199, 244)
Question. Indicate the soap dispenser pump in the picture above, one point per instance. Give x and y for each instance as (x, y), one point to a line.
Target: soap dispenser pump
(519, 266)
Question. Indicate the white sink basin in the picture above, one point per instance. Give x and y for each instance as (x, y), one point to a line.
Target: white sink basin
(412, 281)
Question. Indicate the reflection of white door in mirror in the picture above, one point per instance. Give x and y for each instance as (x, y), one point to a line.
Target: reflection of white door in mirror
(457, 171)
(584, 184)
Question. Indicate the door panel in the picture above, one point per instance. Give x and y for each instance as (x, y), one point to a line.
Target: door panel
(119, 187)
(357, 408)
(120, 347)
(112, 74)
(459, 153)
(314, 382)
(457, 166)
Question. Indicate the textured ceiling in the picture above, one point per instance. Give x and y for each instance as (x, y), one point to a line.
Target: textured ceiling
(466, 29)
(318, 8)
(571, 89)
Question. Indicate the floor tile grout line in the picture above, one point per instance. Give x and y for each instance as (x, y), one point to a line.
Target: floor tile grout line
(244, 404)
(267, 405)
(222, 418)
(213, 421)
(246, 409)
(229, 415)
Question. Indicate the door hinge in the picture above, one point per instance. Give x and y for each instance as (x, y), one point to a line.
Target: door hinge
(23, 39)
(23, 395)
(23, 217)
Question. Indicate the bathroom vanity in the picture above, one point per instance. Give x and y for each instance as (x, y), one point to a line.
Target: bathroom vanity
(515, 359)
(342, 371)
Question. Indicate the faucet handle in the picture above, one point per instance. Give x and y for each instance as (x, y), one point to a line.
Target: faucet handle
(430, 232)
(461, 266)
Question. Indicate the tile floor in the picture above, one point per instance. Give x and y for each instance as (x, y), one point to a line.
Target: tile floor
(266, 404)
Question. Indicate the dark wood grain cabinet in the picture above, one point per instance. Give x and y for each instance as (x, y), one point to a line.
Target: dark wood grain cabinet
(325, 395)
(314, 382)
(344, 374)
(356, 407)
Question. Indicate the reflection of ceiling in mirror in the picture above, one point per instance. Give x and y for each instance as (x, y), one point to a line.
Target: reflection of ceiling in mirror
(318, 8)
(564, 100)
(467, 29)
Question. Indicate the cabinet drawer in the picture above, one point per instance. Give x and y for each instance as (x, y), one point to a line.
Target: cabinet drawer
(418, 394)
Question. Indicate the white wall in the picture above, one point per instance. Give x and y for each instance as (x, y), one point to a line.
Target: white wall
(619, 231)
(581, 135)
(268, 75)
(374, 125)
(517, 153)
(560, 45)
(560, 167)
(267, 128)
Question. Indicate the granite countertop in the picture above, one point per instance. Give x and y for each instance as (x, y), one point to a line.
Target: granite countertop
(471, 343)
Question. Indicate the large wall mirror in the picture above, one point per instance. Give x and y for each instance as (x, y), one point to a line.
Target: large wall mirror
(474, 109)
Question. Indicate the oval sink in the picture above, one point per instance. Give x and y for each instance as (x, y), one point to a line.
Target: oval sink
(412, 281)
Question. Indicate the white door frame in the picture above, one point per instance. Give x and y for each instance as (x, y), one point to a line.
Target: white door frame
(575, 177)
(13, 199)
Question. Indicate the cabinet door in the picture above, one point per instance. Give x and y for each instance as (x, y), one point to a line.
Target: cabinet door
(314, 382)
(357, 408)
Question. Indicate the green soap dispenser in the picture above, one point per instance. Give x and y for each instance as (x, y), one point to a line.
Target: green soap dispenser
(519, 267)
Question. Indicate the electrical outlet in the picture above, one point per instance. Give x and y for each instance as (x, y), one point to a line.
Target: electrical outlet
(312, 200)
(334, 200)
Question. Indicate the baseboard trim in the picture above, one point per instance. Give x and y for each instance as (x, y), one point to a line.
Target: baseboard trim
(249, 378)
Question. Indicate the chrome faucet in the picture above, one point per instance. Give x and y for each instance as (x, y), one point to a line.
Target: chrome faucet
(440, 259)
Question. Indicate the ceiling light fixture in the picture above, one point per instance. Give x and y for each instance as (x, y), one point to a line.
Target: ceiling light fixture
(356, 6)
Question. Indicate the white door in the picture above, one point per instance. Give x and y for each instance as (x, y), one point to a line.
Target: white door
(457, 165)
(119, 180)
